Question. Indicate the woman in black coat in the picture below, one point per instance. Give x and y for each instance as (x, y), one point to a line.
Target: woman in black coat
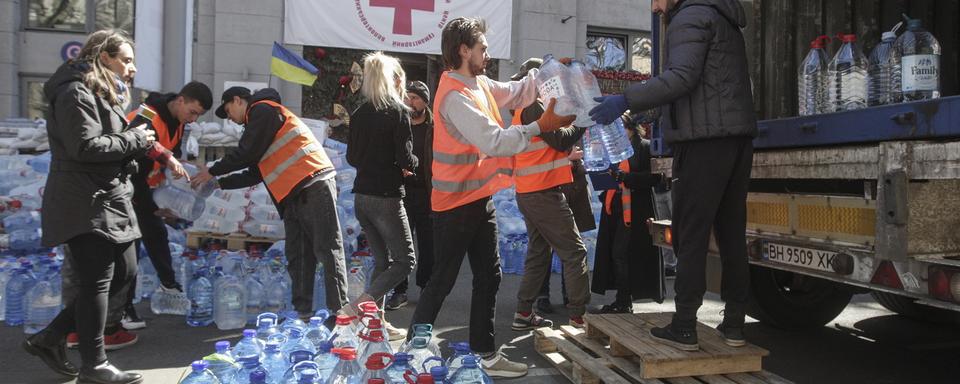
(87, 199)
(626, 259)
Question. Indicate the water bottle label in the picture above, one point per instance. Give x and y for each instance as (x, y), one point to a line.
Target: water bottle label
(552, 88)
(920, 73)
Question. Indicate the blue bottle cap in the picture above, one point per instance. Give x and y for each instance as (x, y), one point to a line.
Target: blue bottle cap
(198, 365)
(249, 333)
(439, 371)
(258, 377)
(470, 361)
(308, 375)
(315, 321)
(222, 346)
(402, 358)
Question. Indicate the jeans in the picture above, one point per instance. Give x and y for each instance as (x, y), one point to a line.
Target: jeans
(417, 203)
(466, 231)
(384, 220)
(313, 235)
(104, 272)
(710, 184)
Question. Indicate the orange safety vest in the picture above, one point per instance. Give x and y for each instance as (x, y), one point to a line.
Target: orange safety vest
(294, 154)
(156, 177)
(625, 197)
(539, 167)
(461, 173)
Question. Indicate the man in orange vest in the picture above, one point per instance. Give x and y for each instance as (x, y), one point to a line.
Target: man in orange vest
(539, 172)
(280, 151)
(472, 161)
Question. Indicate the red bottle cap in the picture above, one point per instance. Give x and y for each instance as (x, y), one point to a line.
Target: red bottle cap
(847, 38)
(820, 42)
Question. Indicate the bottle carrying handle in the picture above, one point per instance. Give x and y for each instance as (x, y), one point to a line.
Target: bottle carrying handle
(429, 359)
(369, 316)
(381, 356)
(322, 314)
(410, 377)
(267, 315)
(299, 366)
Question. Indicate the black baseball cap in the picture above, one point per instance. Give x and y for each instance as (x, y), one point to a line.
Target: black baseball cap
(228, 97)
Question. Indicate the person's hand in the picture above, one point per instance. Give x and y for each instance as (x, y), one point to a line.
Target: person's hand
(148, 134)
(575, 154)
(177, 169)
(610, 108)
(201, 178)
(565, 60)
(549, 121)
(407, 173)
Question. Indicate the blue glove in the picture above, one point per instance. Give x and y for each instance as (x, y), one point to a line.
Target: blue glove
(610, 108)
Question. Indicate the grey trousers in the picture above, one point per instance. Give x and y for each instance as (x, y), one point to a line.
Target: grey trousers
(384, 221)
(313, 235)
(550, 224)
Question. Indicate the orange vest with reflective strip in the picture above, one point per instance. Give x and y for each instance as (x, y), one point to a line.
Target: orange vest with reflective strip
(624, 197)
(539, 167)
(156, 177)
(461, 173)
(294, 154)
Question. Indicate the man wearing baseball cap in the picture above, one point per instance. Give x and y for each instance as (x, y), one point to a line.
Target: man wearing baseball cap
(280, 150)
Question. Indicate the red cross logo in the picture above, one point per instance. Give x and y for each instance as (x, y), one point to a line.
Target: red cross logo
(403, 12)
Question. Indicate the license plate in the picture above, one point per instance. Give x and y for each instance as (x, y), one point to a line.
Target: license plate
(799, 256)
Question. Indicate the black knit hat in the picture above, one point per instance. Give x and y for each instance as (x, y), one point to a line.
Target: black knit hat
(418, 88)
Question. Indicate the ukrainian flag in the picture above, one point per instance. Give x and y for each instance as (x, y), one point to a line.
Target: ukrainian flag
(290, 67)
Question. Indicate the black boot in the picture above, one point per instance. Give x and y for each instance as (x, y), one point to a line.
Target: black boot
(106, 373)
(53, 354)
(678, 337)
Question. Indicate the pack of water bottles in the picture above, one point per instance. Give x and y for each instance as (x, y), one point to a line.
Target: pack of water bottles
(283, 349)
(511, 231)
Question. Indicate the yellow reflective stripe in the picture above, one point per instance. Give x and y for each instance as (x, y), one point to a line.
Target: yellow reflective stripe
(535, 146)
(539, 168)
(468, 185)
(299, 154)
(280, 142)
(456, 159)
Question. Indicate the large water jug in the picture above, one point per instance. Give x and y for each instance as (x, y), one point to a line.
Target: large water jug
(26, 240)
(274, 361)
(43, 301)
(319, 288)
(184, 204)
(223, 210)
(221, 363)
(183, 184)
(166, 302)
(470, 373)
(420, 351)
(325, 358)
(588, 89)
(847, 76)
(811, 79)
(296, 342)
(356, 283)
(255, 297)
(21, 220)
(291, 320)
(230, 197)
(440, 375)
(616, 141)
(147, 280)
(348, 370)
(299, 365)
(200, 374)
(249, 368)
(401, 367)
(878, 71)
(271, 229)
(595, 157)
(40, 163)
(553, 82)
(460, 351)
(374, 342)
(16, 291)
(274, 300)
(230, 303)
(346, 333)
(266, 324)
(200, 294)
(425, 331)
(248, 347)
(309, 376)
(215, 224)
(316, 332)
(915, 63)
(376, 367)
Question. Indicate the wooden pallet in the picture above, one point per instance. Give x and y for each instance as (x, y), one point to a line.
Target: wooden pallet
(230, 241)
(583, 360)
(628, 335)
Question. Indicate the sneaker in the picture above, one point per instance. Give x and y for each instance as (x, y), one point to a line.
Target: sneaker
(394, 333)
(499, 366)
(543, 305)
(73, 340)
(615, 308)
(732, 336)
(172, 289)
(682, 339)
(119, 339)
(131, 320)
(577, 322)
(529, 321)
(396, 301)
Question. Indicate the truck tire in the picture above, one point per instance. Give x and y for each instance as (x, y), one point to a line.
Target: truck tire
(794, 301)
(908, 307)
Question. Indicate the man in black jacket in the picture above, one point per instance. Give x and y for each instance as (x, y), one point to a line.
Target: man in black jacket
(708, 119)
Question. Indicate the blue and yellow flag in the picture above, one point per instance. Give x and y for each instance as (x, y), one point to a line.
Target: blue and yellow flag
(291, 67)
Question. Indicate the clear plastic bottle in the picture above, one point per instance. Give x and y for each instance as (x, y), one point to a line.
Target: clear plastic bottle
(296, 342)
(812, 77)
(185, 204)
(200, 374)
(470, 373)
(325, 359)
(460, 350)
(230, 303)
(309, 376)
(264, 213)
(400, 368)
(915, 62)
(847, 76)
(419, 349)
(249, 368)
(26, 240)
(319, 288)
(616, 141)
(274, 361)
(346, 333)
(43, 301)
(16, 291)
(356, 283)
(595, 157)
(374, 342)
(553, 81)
(28, 220)
(223, 366)
(348, 370)
(215, 224)
(316, 332)
(266, 324)
(248, 347)
(255, 296)
(200, 293)
(147, 280)
(271, 229)
(376, 367)
(878, 71)
(223, 210)
(588, 89)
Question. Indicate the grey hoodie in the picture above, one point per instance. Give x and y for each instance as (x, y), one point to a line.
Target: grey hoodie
(705, 85)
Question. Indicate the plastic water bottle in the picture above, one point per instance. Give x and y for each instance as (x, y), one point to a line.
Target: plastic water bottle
(588, 89)
(424, 331)
(325, 359)
(274, 361)
(595, 157)
(296, 342)
(401, 367)
(264, 213)
(356, 283)
(878, 71)
(348, 370)
(223, 366)
(375, 342)
(440, 375)
(271, 229)
(811, 79)
(4, 278)
(915, 60)
(25, 240)
(16, 291)
(274, 301)
(470, 372)
(346, 333)
(186, 205)
(316, 332)
(200, 293)
(223, 210)
(309, 376)
(319, 288)
(300, 364)
(255, 297)
(235, 198)
(460, 351)
(616, 141)
(40, 163)
(553, 81)
(376, 367)
(266, 324)
(847, 76)
(200, 374)
(215, 224)
(291, 320)
(43, 301)
(147, 280)
(248, 347)
(21, 220)
(420, 351)
(184, 184)
(230, 303)
(258, 377)
(249, 368)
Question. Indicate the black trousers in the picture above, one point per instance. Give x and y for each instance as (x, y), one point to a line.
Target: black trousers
(104, 270)
(154, 232)
(469, 230)
(417, 203)
(710, 184)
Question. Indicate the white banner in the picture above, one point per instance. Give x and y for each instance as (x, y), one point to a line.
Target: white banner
(392, 25)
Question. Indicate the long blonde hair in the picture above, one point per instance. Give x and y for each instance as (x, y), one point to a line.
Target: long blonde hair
(381, 76)
(100, 79)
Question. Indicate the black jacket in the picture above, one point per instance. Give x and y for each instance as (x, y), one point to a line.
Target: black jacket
(92, 156)
(158, 101)
(380, 145)
(422, 146)
(705, 86)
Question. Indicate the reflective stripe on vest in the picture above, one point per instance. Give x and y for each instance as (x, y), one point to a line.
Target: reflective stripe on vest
(293, 155)
(156, 177)
(625, 197)
(461, 174)
(539, 167)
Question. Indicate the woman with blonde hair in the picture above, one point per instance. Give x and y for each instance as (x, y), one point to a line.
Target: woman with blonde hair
(87, 200)
(380, 146)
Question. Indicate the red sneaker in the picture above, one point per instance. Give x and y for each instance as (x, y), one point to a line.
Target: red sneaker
(73, 340)
(577, 322)
(119, 339)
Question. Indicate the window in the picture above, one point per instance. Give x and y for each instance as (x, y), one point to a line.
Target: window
(66, 15)
(33, 104)
(609, 51)
(116, 14)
